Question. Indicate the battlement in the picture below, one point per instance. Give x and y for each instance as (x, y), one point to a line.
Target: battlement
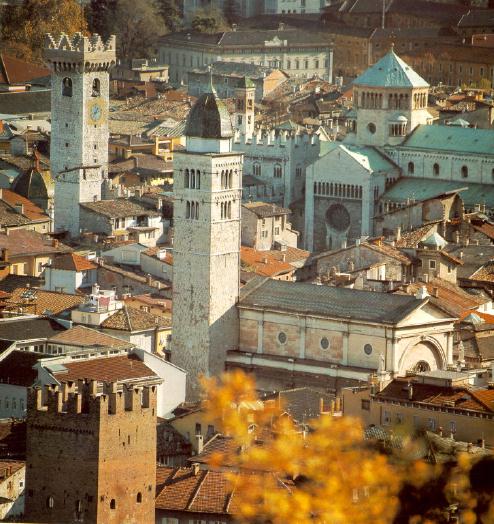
(83, 398)
(79, 53)
(276, 139)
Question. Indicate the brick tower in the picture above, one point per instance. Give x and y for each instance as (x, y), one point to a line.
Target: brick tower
(206, 267)
(91, 457)
(79, 121)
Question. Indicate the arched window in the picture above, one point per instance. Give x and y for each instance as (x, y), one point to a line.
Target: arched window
(464, 171)
(196, 214)
(186, 179)
(230, 179)
(187, 209)
(331, 188)
(50, 502)
(411, 168)
(257, 169)
(198, 179)
(277, 171)
(435, 169)
(192, 178)
(139, 497)
(229, 210)
(113, 504)
(67, 86)
(492, 174)
(96, 90)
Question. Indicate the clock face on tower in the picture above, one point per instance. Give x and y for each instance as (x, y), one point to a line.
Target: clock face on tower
(96, 111)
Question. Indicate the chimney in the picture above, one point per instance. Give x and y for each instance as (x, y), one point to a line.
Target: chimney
(54, 243)
(410, 391)
(195, 469)
(234, 27)
(435, 292)
(283, 257)
(281, 27)
(5, 254)
(440, 431)
(398, 233)
(199, 443)
(265, 260)
(19, 208)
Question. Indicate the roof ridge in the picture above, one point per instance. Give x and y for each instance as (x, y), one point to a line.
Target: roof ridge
(198, 488)
(127, 316)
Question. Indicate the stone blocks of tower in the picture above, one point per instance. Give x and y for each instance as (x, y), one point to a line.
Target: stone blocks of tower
(79, 121)
(91, 456)
(206, 263)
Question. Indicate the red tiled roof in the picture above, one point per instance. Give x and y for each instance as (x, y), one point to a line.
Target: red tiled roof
(289, 255)
(108, 369)
(131, 319)
(388, 250)
(9, 467)
(262, 262)
(37, 301)
(153, 252)
(23, 242)
(73, 262)
(15, 71)
(84, 336)
(486, 228)
(463, 397)
(30, 210)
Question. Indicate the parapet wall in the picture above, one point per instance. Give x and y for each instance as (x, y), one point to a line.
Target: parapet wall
(83, 398)
(79, 53)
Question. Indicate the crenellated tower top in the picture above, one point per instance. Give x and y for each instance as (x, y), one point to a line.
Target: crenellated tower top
(79, 53)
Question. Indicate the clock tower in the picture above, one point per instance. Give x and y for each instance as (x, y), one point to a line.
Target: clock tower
(80, 68)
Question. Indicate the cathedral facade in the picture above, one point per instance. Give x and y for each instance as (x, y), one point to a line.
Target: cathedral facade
(392, 154)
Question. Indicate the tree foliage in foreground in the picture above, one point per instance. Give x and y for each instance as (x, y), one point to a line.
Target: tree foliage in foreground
(23, 27)
(337, 477)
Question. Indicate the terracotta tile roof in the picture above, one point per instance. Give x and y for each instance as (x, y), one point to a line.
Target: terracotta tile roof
(450, 298)
(84, 336)
(289, 255)
(119, 208)
(412, 238)
(38, 301)
(15, 71)
(484, 273)
(9, 467)
(263, 210)
(108, 369)
(72, 262)
(22, 242)
(130, 319)
(17, 368)
(164, 303)
(262, 262)
(30, 210)
(153, 252)
(9, 217)
(487, 229)
(201, 490)
(141, 164)
(388, 250)
(462, 397)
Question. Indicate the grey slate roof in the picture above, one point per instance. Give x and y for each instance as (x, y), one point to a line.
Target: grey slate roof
(119, 208)
(35, 101)
(239, 69)
(29, 329)
(209, 118)
(327, 301)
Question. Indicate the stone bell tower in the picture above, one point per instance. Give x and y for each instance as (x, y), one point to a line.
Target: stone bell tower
(244, 107)
(79, 121)
(206, 249)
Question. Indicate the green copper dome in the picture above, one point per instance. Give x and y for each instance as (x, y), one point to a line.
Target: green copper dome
(209, 118)
(390, 71)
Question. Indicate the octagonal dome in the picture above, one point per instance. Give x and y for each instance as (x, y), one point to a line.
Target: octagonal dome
(209, 118)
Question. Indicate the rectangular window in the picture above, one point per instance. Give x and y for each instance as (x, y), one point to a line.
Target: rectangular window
(198, 428)
(276, 230)
(432, 264)
(365, 404)
(452, 426)
(386, 418)
(431, 424)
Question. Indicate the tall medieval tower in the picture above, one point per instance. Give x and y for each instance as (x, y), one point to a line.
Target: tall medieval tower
(91, 457)
(245, 95)
(79, 121)
(207, 191)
